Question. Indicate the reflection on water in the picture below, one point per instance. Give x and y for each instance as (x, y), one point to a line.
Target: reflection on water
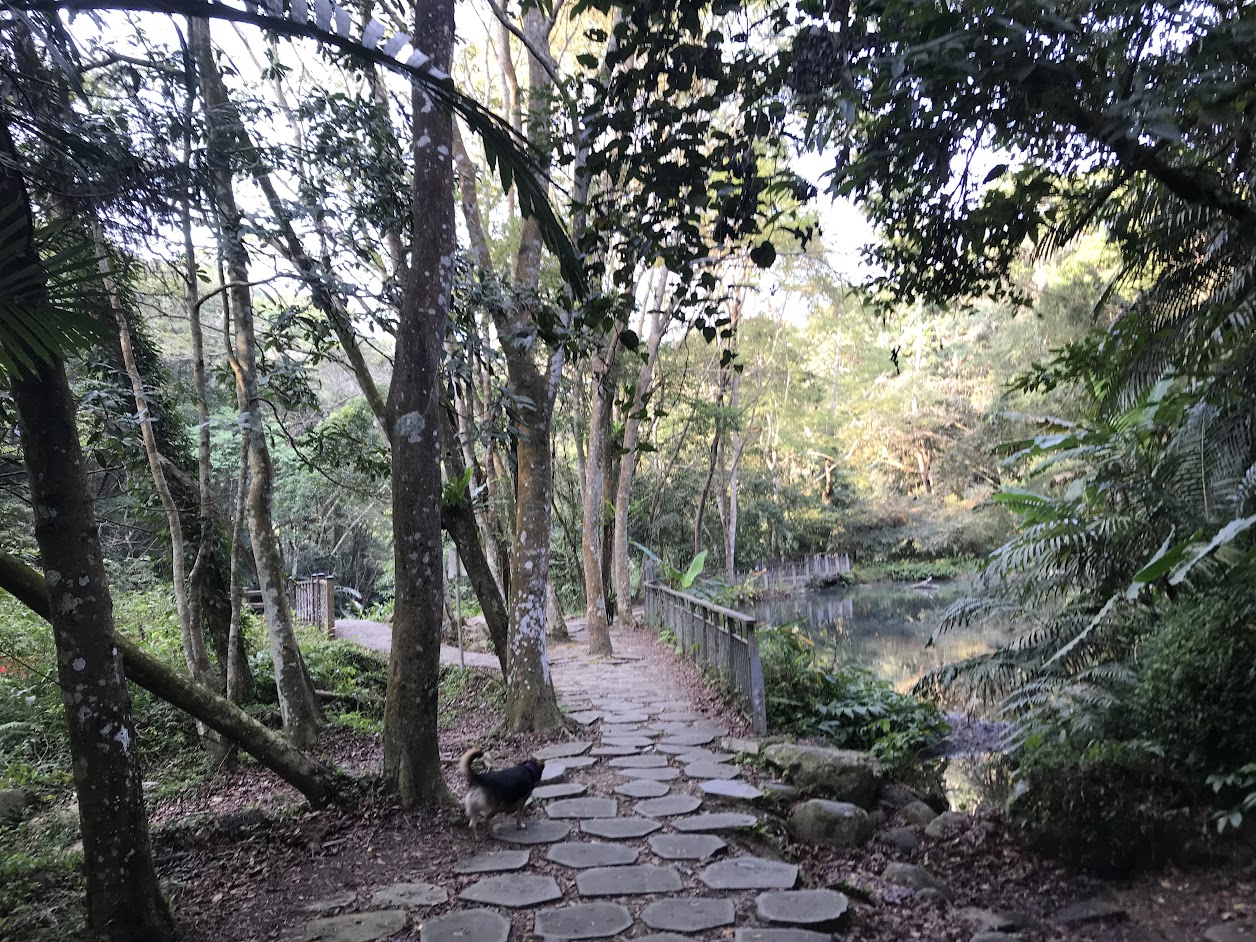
(884, 628)
(881, 627)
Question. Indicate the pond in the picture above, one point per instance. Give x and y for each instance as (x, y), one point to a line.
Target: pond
(883, 627)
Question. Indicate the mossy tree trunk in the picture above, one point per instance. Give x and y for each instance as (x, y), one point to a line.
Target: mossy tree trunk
(124, 900)
(411, 748)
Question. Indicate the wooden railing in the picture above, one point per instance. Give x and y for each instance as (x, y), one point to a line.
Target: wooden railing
(789, 573)
(313, 602)
(716, 637)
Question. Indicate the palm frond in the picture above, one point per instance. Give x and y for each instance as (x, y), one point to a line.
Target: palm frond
(43, 314)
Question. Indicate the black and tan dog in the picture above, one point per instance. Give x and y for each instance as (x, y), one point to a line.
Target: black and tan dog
(492, 793)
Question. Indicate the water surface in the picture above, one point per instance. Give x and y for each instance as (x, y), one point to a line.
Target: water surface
(883, 627)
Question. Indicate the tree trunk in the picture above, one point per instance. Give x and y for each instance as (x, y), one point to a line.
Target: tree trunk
(530, 701)
(315, 781)
(591, 527)
(620, 575)
(297, 701)
(124, 900)
(461, 525)
(411, 749)
(194, 650)
(239, 675)
(554, 615)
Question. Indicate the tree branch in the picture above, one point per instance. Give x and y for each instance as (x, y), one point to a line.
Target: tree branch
(540, 55)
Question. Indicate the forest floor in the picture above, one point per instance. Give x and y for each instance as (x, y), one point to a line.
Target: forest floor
(244, 859)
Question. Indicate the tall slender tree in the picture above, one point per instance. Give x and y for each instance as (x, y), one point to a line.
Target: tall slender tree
(415, 418)
(124, 900)
(297, 701)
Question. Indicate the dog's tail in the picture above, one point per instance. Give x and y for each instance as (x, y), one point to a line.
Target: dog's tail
(467, 758)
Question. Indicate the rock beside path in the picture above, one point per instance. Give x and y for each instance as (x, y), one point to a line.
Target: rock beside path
(839, 774)
(946, 824)
(901, 839)
(915, 877)
(1090, 910)
(832, 823)
(917, 813)
(12, 801)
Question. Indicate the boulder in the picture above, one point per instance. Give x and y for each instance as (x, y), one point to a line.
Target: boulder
(917, 878)
(897, 795)
(946, 824)
(917, 813)
(832, 823)
(12, 801)
(839, 774)
(902, 839)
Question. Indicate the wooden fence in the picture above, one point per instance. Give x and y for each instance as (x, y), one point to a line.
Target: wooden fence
(787, 573)
(313, 602)
(716, 637)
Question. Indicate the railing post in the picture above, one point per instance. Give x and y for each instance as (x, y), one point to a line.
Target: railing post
(758, 696)
(329, 606)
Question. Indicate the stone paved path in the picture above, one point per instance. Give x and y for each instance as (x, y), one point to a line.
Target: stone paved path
(635, 835)
(378, 637)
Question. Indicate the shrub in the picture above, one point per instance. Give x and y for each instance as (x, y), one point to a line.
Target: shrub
(1196, 686)
(849, 707)
(1111, 807)
(34, 747)
(357, 677)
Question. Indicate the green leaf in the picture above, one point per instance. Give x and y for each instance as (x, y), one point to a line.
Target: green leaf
(694, 570)
(1225, 535)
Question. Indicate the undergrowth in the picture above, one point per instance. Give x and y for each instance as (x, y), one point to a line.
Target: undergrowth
(847, 706)
(467, 689)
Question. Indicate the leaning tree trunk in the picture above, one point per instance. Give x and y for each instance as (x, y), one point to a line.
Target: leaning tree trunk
(594, 498)
(297, 701)
(315, 781)
(192, 631)
(124, 900)
(411, 748)
(459, 521)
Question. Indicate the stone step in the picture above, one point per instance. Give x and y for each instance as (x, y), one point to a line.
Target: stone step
(692, 914)
(642, 788)
(582, 921)
(717, 821)
(513, 890)
(493, 861)
(482, 925)
(582, 855)
(637, 880)
(583, 808)
(667, 805)
(619, 829)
